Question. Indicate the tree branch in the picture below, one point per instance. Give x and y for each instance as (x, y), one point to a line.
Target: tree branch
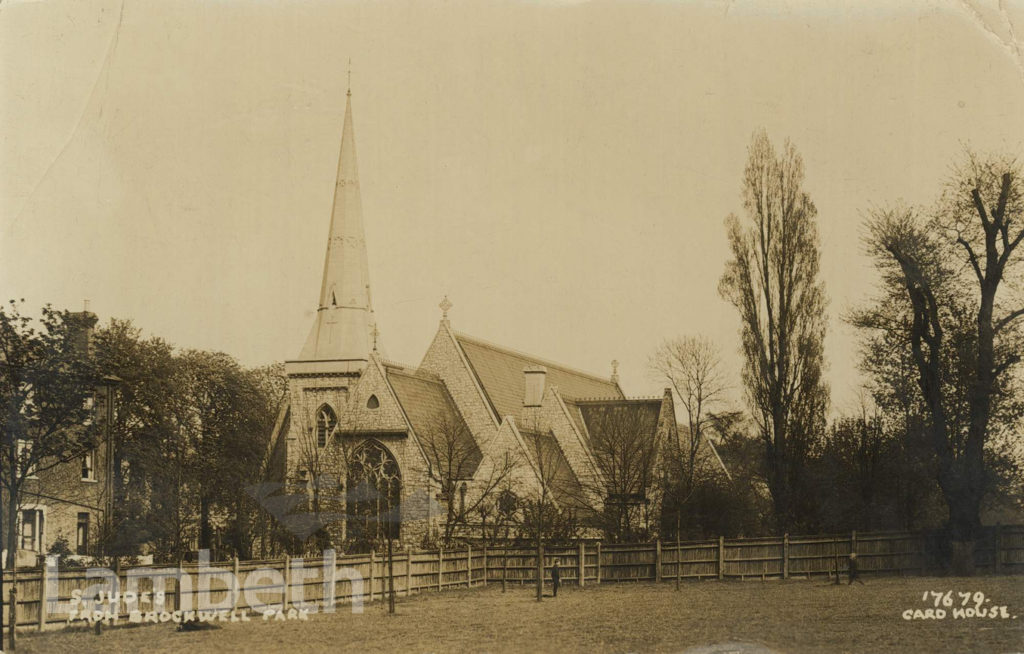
(973, 258)
(980, 206)
(1013, 315)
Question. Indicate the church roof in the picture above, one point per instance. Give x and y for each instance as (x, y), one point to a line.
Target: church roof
(500, 372)
(610, 415)
(443, 433)
(554, 467)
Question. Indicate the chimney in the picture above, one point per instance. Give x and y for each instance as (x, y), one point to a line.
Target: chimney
(534, 377)
(81, 324)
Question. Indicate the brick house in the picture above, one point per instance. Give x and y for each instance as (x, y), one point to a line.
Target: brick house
(486, 403)
(67, 501)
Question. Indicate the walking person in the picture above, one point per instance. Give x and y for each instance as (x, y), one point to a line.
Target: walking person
(556, 577)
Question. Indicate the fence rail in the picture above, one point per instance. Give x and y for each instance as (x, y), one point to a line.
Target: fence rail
(290, 582)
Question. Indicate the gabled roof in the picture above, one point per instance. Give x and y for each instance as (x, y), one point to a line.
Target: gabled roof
(500, 372)
(443, 433)
(554, 468)
(606, 414)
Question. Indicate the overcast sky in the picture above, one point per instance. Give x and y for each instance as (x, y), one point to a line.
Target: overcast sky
(561, 170)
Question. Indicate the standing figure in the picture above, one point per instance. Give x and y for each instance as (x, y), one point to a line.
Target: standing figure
(854, 572)
(556, 577)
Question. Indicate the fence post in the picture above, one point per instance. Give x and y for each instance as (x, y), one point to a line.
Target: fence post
(408, 571)
(287, 581)
(785, 556)
(178, 603)
(117, 584)
(679, 560)
(721, 557)
(329, 584)
(835, 556)
(469, 565)
(504, 568)
(853, 541)
(485, 566)
(373, 566)
(42, 597)
(236, 588)
(13, 599)
(440, 563)
(583, 564)
(657, 560)
(599, 562)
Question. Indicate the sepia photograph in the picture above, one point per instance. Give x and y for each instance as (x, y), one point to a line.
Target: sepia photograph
(512, 326)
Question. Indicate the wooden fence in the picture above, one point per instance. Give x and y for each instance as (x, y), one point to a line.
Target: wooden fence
(293, 583)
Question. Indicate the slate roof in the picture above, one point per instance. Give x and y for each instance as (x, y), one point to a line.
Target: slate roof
(555, 468)
(577, 417)
(437, 422)
(598, 414)
(500, 373)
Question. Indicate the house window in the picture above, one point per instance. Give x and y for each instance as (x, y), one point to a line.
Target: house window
(89, 466)
(25, 457)
(326, 421)
(31, 529)
(82, 540)
(89, 404)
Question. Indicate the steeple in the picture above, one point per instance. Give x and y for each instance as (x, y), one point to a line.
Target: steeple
(344, 324)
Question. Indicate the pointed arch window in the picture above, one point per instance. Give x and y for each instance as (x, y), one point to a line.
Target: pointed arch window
(373, 402)
(326, 422)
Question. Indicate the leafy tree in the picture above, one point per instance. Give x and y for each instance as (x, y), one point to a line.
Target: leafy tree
(189, 437)
(943, 274)
(144, 431)
(772, 280)
(47, 385)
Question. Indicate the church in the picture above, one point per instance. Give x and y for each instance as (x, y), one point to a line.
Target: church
(461, 445)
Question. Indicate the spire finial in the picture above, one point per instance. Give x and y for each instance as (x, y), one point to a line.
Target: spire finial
(376, 334)
(445, 305)
(349, 92)
(615, 371)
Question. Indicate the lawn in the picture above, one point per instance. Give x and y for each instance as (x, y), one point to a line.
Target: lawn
(790, 616)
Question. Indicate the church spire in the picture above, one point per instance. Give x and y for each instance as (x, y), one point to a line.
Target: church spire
(344, 319)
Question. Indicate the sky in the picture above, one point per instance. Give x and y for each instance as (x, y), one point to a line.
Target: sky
(560, 170)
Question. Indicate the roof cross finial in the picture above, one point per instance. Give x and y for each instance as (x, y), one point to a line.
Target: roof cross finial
(349, 92)
(376, 334)
(445, 305)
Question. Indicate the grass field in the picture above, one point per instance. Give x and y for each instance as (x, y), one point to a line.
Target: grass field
(790, 616)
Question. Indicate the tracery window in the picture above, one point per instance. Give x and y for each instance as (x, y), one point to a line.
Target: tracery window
(326, 422)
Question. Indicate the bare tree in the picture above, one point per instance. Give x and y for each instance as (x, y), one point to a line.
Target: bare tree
(772, 280)
(455, 458)
(623, 439)
(323, 463)
(375, 480)
(548, 508)
(692, 366)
